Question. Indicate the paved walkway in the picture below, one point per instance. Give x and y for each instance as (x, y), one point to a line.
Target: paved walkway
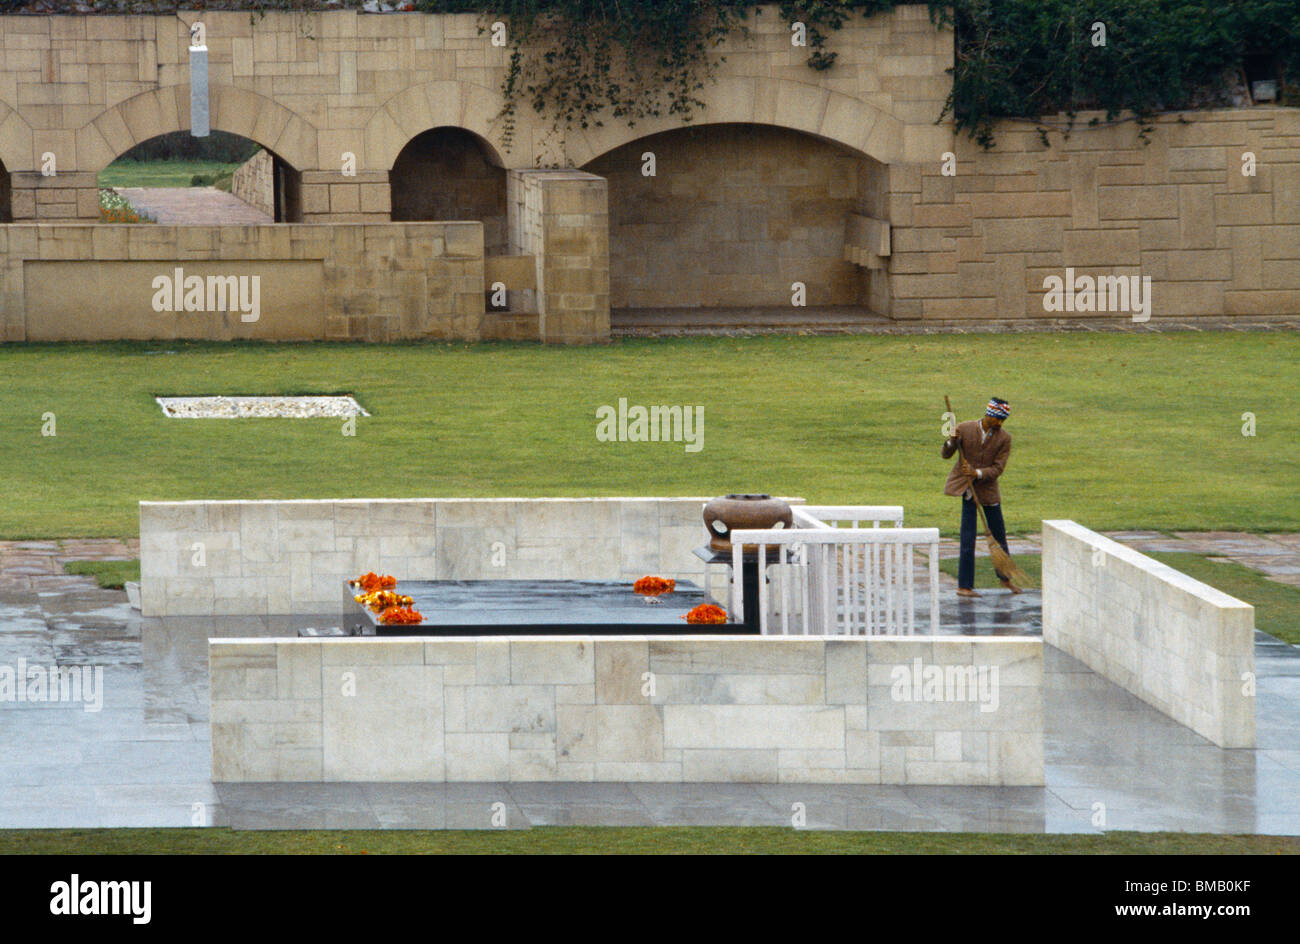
(180, 205)
(1112, 762)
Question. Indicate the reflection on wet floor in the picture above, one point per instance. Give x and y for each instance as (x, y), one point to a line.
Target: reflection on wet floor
(992, 613)
(143, 760)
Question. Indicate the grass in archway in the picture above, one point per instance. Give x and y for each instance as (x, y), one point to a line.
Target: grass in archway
(1112, 430)
(172, 173)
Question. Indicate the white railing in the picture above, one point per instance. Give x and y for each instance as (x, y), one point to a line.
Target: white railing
(830, 516)
(830, 581)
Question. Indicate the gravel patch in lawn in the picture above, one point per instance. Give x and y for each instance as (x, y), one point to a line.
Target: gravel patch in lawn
(229, 408)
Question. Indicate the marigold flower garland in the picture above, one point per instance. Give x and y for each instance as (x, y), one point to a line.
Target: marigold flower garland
(706, 613)
(654, 586)
(380, 600)
(379, 597)
(370, 582)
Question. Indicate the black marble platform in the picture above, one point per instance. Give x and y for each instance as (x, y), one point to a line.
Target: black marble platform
(540, 608)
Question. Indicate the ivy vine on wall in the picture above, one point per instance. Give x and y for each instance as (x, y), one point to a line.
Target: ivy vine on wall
(1135, 58)
(582, 61)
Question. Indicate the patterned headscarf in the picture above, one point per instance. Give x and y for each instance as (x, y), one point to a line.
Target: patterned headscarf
(998, 408)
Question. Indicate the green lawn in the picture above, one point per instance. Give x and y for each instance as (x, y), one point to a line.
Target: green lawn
(175, 173)
(109, 574)
(1114, 431)
(1277, 605)
(595, 839)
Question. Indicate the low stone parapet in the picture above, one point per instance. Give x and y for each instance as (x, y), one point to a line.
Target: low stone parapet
(888, 710)
(1180, 645)
(283, 557)
(281, 282)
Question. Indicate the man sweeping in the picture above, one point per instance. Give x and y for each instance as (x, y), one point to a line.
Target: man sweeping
(982, 448)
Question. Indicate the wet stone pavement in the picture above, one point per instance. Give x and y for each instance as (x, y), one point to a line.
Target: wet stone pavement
(142, 759)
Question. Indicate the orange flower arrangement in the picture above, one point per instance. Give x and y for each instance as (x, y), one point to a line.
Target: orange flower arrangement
(118, 216)
(653, 586)
(396, 615)
(371, 582)
(707, 613)
(379, 600)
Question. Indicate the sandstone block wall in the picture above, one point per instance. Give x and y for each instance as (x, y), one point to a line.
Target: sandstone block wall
(722, 709)
(1214, 242)
(374, 282)
(254, 182)
(561, 219)
(731, 217)
(66, 197)
(329, 197)
(1181, 646)
(338, 96)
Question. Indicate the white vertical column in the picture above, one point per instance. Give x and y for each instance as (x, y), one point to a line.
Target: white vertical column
(828, 588)
(910, 558)
(736, 596)
(784, 560)
(199, 111)
(872, 628)
(934, 588)
(805, 576)
(889, 588)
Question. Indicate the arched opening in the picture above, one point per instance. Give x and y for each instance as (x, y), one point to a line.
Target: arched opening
(176, 178)
(448, 174)
(734, 214)
(6, 195)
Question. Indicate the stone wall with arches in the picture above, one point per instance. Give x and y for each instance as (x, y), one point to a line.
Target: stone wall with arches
(339, 95)
(931, 229)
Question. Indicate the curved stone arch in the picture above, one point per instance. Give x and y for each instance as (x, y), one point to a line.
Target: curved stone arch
(783, 103)
(16, 151)
(116, 130)
(420, 108)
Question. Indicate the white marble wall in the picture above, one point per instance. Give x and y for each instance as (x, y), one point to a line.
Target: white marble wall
(722, 709)
(1180, 645)
(206, 558)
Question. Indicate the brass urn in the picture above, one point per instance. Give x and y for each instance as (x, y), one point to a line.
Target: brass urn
(744, 512)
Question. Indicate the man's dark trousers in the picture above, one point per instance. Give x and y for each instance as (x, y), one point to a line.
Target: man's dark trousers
(969, 529)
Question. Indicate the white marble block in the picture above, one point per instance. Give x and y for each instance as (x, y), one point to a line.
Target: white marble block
(1180, 645)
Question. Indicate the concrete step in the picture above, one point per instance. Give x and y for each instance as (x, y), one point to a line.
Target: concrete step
(700, 322)
(630, 322)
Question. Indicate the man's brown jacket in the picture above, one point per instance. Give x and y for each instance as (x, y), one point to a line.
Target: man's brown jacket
(988, 457)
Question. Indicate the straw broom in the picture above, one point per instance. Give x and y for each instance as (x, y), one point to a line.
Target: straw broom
(1002, 562)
